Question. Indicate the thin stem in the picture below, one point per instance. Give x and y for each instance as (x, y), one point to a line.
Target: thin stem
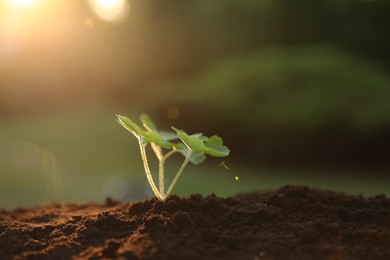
(147, 170)
(161, 158)
(159, 154)
(161, 176)
(157, 151)
(167, 155)
(187, 159)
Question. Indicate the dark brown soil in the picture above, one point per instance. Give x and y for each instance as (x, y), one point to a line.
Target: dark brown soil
(289, 223)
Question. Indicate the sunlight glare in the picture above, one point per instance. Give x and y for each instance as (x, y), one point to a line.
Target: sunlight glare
(23, 2)
(110, 10)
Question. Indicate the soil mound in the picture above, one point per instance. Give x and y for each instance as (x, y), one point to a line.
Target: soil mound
(288, 223)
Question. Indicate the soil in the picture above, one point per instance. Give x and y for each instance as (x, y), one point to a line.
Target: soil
(292, 222)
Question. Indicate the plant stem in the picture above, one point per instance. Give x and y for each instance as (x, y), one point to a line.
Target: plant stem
(161, 176)
(142, 146)
(159, 154)
(187, 159)
(167, 155)
(157, 151)
(162, 159)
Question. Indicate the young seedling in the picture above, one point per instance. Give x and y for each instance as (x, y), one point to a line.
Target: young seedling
(193, 147)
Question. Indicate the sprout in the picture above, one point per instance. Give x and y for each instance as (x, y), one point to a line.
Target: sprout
(193, 147)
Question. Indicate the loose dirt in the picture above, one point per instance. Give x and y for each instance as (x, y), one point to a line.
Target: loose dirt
(288, 223)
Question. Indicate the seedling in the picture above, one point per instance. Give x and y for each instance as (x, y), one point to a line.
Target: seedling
(193, 147)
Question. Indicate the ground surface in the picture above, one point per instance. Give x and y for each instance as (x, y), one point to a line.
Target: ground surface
(289, 223)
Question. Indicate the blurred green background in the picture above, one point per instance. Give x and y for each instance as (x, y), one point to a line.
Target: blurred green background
(299, 91)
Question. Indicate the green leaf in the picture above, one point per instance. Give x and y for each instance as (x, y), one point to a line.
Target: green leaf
(217, 151)
(168, 135)
(214, 146)
(201, 136)
(196, 158)
(150, 126)
(153, 137)
(148, 123)
(214, 141)
(194, 142)
(129, 125)
(149, 136)
(201, 144)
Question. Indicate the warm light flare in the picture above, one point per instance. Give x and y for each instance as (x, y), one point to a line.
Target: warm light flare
(110, 10)
(17, 15)
(108, 3)
(23, 2)
(29, 25)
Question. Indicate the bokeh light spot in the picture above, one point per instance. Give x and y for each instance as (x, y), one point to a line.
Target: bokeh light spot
(173, 112)
(110, 10)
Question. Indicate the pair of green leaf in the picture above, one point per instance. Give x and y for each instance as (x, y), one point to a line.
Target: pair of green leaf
(148, 136)
(201, 146)
(198, 144)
